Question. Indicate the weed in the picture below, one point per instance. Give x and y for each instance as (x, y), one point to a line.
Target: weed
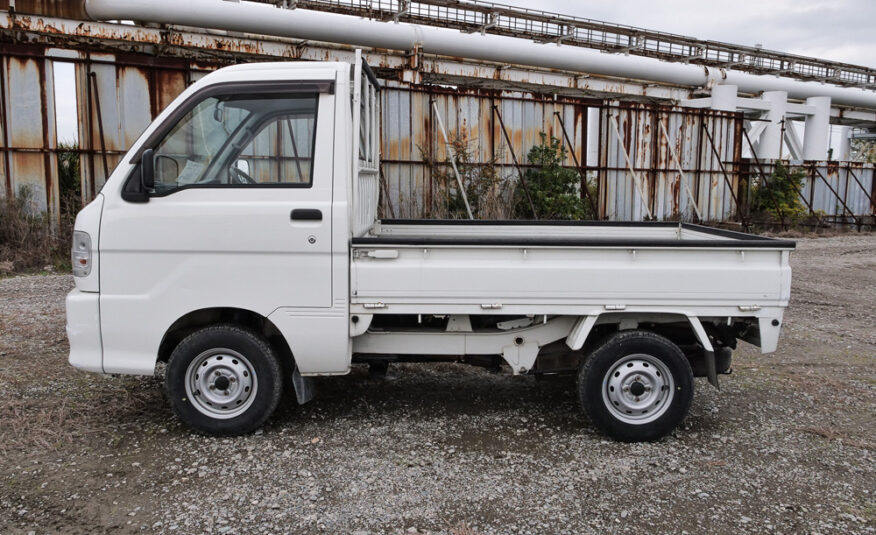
(29, 239)
(555, 190)
(488, 192)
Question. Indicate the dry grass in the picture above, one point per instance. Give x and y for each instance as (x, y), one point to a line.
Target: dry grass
(29, 239)
(489, 193)
(66, 408)
(834, 434)
(463, 529)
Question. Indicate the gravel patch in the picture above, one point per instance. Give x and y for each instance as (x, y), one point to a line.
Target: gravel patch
(786, 446)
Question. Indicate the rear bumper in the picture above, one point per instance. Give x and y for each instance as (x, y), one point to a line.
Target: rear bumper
(83, 331)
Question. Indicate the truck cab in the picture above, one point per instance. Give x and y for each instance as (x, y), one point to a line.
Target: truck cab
(238, 242)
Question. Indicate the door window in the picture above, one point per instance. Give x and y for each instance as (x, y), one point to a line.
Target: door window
(256, 140)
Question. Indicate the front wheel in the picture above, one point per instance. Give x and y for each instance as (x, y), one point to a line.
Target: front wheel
(224, 380)
(636, 387)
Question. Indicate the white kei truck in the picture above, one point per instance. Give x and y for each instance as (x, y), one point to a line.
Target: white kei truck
(238, 242)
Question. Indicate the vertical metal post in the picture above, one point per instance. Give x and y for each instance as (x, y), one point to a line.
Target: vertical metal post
(699, 165)
(89, 111)
(294, 148)
(93, 80)
(602, 198)
(577, 164)
(7, 155)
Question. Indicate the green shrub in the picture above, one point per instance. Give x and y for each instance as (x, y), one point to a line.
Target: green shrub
(781, 196)
(555, 190)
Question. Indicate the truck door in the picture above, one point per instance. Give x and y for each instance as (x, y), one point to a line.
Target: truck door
(240, 216)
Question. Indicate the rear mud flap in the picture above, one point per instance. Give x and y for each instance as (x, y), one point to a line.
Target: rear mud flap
(304, 387)
(711, 368)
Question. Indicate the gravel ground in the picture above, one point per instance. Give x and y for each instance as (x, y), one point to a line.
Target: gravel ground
(786, 446)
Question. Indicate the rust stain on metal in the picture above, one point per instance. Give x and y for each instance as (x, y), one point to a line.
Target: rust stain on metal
(53, 8)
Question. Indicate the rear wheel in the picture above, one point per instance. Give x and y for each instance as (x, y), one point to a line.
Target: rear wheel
(636, 387)
(224, 380)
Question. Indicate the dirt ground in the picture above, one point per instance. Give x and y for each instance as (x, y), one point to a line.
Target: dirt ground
(786, 446)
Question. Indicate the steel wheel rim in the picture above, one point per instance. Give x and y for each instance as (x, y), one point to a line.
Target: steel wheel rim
(638, 389)
(221, 383)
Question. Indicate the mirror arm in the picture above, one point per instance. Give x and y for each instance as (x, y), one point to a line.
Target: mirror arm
(147, 170)
(138, 190)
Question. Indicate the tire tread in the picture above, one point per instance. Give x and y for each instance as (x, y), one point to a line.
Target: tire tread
(246, 422)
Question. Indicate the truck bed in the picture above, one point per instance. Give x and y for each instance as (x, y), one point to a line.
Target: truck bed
(514, 267)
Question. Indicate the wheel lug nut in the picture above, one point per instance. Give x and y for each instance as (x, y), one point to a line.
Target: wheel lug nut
(212, 387)
(232, 379)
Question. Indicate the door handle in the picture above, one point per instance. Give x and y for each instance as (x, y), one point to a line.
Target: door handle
(306, 214)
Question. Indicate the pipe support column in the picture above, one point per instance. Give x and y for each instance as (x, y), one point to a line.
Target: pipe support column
(770, 146)
(817, 134)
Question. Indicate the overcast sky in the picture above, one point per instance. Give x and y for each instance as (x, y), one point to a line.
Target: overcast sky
(840, 30)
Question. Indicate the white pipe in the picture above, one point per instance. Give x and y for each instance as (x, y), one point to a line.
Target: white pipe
(334, 28)
(593, 134)
(816, 136)
(724, 97)
(844, 151)
(770, 146)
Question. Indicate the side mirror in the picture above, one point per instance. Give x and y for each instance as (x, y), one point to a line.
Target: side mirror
(147, 170)
(243, 165)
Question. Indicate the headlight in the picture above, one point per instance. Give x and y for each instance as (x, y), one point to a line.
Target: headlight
(81, 254)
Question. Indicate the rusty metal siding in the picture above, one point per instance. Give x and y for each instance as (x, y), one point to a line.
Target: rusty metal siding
(633, 143)
(410, 136)
(28, 130)
(120, 93)
(832, 189)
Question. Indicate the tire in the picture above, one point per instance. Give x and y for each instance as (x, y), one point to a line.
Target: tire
(636, 387)
(224, 380)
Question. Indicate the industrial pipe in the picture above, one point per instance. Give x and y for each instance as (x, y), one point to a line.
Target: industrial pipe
(264, 19)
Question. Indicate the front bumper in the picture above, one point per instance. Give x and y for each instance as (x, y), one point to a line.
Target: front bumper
(83, 330)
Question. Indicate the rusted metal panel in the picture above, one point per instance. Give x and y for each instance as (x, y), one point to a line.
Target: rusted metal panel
(632, 143)
(71, 9)
(410, 135)
(130, 89)
(834, 191)
(29, 128)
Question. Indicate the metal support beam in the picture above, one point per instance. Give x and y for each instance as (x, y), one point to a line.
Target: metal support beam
(770, 146)
(817, 135)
